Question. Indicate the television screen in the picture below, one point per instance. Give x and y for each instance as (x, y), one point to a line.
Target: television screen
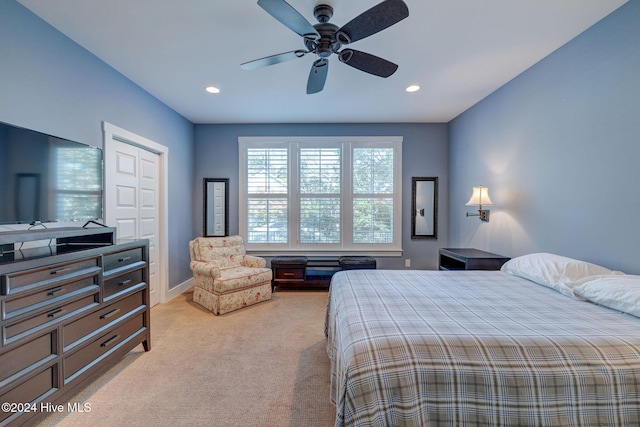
(47, 179)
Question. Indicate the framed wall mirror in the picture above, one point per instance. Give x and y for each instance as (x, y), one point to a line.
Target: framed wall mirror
(216, 207)
(424, 207)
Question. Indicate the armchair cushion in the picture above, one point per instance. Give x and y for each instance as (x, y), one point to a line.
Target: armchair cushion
(241, 278)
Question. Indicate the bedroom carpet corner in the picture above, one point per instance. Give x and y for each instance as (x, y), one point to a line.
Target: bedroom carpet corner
(265, 365)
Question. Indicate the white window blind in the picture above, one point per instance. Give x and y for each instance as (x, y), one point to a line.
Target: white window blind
(337, 194)
(267, 189)
(77, 180)
(320, 188)
(373, 195)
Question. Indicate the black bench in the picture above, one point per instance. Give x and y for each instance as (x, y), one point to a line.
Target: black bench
(357, 263)
(300, 272)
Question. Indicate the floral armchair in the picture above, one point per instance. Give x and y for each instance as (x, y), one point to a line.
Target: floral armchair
(227, 279)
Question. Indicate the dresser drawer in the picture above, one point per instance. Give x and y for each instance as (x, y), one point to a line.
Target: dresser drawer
(51, 316)
(74, 364)
(93, 322)
(31, 390)
(289, 274)
(18, 281)
(16, 306)
(26, 355)
(122, 259)
(118, 284)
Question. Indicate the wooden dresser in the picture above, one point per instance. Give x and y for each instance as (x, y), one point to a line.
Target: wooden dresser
(69, 310)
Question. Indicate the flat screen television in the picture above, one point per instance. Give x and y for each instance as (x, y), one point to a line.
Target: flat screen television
(48, 179)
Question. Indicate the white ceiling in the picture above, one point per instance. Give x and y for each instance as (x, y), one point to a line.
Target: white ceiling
(458, 51)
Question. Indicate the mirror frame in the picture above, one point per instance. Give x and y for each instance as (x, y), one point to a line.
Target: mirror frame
(209, 211)
(425, 206)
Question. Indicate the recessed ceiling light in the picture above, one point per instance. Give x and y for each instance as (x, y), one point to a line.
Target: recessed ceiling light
(212, 89)
(412, 88)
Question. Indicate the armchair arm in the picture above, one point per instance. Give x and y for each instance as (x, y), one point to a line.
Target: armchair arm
(254, 261)
(208, 269)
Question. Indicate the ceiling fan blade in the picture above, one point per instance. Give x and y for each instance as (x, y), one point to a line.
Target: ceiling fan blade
(368, 63)
(318, 76)
(273, 59)
(289, 17)
(376, 19)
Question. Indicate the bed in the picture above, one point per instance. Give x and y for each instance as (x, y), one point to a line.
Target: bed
(422, 348)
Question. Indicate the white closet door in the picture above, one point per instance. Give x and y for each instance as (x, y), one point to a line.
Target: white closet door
(148, 215)
(132, 195)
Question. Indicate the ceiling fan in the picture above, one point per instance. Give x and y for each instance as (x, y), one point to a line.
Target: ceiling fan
(324, 39)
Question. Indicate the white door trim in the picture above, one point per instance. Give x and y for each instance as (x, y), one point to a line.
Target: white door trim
(111, 132)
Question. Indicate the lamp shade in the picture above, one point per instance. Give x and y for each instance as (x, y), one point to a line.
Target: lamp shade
(479, 197)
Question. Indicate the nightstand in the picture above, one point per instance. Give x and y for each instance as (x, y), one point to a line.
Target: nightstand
(288, 270)
(469, 259)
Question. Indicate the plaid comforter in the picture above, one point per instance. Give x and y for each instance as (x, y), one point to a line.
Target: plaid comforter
(432, 348)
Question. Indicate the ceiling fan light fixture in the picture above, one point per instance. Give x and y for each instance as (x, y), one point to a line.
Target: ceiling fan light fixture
(212, 89)
(412, 88)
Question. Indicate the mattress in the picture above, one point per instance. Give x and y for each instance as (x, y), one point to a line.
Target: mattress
(421, 348)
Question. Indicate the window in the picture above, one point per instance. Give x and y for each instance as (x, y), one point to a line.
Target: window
(78, 185)
(321, 195)
(373, 195)
(267, 186)
(320, 189)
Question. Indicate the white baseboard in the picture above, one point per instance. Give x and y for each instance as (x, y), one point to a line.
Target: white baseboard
(178, 290)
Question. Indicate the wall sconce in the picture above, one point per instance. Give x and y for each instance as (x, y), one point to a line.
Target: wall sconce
(479, 197)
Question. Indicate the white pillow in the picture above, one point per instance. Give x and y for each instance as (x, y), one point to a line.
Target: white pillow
(554, 271)
(620, 292)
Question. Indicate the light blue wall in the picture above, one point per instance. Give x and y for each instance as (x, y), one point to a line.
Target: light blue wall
(424, 153)
(558, 148)
(50, 84)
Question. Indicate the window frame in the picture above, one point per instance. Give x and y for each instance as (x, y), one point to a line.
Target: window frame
(347, 144)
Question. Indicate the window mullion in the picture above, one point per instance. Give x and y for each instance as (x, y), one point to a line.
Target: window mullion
(347, 195)
(294, 195)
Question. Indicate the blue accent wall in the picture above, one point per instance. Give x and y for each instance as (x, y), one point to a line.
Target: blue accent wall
(50, 84)
(424, 153)
(559, 148)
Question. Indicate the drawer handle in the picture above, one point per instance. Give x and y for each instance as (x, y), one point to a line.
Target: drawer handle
(110, 341)
(124, 282)
(55, 313)
(61, 270)
(109, 314)
(123, 259)
(288, 274)
(52, 292)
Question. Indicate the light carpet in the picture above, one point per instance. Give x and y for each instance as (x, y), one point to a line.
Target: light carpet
(264, 365)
